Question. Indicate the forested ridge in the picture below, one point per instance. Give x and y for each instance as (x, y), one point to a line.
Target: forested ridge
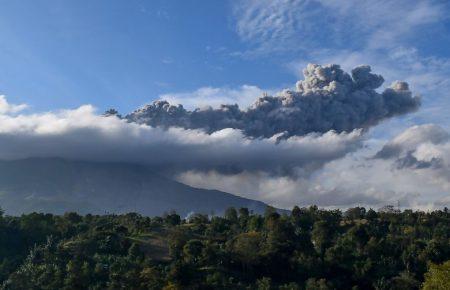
(309, 248)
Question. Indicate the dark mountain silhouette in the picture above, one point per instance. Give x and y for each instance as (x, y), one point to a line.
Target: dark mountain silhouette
(57, 185)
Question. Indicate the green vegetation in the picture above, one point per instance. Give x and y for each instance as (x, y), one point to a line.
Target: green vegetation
(307, 249)
(438, 277)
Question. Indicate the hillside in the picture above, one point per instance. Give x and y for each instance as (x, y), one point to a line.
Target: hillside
(57, 185)
(307, 249)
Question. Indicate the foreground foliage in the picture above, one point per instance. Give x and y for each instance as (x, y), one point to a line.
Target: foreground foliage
(306, 249)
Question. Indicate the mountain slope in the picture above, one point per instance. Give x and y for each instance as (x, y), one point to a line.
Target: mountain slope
(57, 185)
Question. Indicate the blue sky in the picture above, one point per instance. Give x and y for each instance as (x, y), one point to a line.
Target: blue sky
(122, 54)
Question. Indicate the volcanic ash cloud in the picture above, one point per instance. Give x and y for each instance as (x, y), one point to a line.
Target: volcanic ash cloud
(327, 99)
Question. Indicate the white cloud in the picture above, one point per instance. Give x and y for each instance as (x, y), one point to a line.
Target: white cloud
(283, 25)
(82, 134)
(382, 24)
(5, 107)
(414, 137)
(356, 179)
(271, 25)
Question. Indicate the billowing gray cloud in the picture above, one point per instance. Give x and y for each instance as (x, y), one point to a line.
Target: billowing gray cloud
(411, 149)
(84, 135)
(411, 161)
(415, 173)
(327, 99)
(409, 140)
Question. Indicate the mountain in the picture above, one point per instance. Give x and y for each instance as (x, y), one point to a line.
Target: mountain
(57, 185)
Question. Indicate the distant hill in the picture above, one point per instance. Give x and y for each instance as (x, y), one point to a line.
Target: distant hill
(56, 186)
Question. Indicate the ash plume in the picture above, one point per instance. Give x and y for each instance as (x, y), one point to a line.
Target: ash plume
(327, 99)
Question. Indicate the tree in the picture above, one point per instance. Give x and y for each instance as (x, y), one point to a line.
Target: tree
(246, 248)
(296, 214)
(322, 236)
(272, 251)
(150, 278)
(318, 284)
(355, 213)
(389, 209)
(243, 217)
(371, 214)
(437, 277)
(255, 223)
(134, 251)
(272, 220)
(76, 275)
(192, 250)
(264, 283)
(198, 219)
(404, 281)
(243, 212)
(231, 214)
(173, 219)
(290, 286)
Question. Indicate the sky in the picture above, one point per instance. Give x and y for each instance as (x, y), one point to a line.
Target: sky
(122, 53)
(67, 60)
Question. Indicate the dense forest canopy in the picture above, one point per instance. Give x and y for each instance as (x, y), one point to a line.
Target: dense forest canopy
(309, 248)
